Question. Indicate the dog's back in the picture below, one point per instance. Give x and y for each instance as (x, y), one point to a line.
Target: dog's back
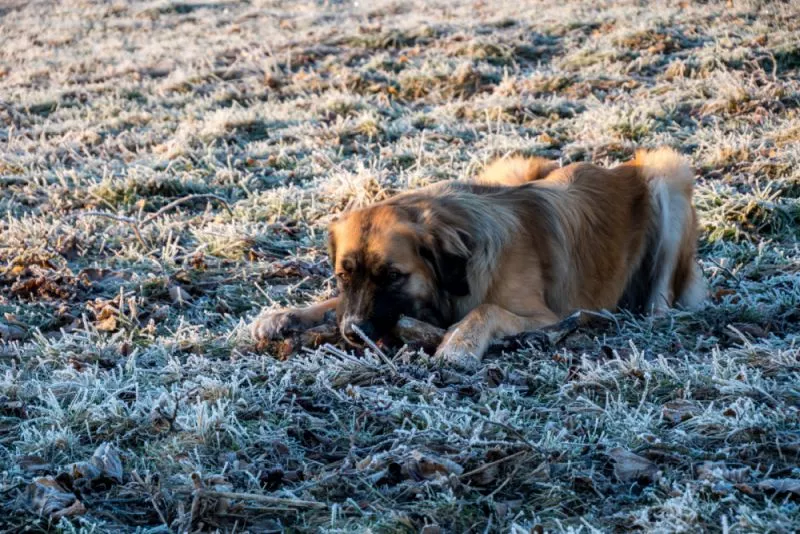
(623, 237)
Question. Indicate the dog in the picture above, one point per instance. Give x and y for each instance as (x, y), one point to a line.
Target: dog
(515, 249)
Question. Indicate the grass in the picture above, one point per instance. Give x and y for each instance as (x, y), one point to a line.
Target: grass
(131, 396)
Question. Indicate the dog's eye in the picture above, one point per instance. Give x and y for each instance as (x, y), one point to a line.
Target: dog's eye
(343, 277)
(394, 276)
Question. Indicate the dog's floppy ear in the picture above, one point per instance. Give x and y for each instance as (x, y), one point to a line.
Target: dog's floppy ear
(332, 243)
(447, 252)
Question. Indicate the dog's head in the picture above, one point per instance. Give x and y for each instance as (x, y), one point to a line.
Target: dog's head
(392, 260)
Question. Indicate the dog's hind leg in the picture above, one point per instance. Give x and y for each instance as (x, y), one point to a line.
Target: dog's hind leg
(675, 277)
(277, 324)
(467, 341)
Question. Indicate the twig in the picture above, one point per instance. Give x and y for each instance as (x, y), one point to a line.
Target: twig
(484, 467)
(505, 482)
(133, 223)
(135, 475)
(371, 344)
(185, 199)
(264, 499)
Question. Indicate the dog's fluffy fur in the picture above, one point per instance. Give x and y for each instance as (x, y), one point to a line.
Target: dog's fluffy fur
(520, 246)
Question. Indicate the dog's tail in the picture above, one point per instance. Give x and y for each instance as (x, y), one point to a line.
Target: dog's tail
(515, 170)
(668, 274)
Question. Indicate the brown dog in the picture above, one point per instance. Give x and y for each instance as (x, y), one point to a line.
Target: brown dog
(517, 249)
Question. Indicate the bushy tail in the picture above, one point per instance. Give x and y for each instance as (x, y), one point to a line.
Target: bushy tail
(515, 170)
(669, 274)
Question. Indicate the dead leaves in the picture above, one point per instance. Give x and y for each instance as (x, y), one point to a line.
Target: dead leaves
(59, 496)
(780, 485)
(180, 297)
(12, 331)
(108, 313)
(720, 470)
(47, 496)
(678, 411)
(102, 470)
(630, 467)
(414, 467)
(34, 275)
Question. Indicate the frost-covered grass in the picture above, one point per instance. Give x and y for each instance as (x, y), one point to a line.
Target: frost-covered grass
(122, 324)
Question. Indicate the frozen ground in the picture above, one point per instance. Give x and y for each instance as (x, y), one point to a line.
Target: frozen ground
(122, 324)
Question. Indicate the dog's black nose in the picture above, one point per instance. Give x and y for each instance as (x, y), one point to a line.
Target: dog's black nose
(351, 327)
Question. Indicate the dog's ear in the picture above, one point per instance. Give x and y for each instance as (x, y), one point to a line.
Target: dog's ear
(446, 250)
(332, 243)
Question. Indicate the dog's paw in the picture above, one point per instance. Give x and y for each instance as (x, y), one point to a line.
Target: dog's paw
(274, 325)
(459, 351)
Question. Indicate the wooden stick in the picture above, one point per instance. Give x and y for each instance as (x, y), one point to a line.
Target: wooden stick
(414, 332)
(421, 335)
(371, 344)
(484, 467)
(185, 199)
(265, 499)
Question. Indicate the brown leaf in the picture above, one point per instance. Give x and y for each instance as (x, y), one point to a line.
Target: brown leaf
(46, 496)
(103, 469)
(780, 485)
(109, 324)
(76, 508)
(720, 470)
(753, 330)
(84, 471)
(32, 463)
(678, 411)
(425, 466)
(10, 331)
(629, 467)
(106, 458)
(179, 295)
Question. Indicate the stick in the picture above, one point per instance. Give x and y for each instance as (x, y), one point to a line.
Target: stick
(421, 335)
(266, 499)
(484, 467)
(185, 199)
(415, 332)
(127, 220)
(375, 347)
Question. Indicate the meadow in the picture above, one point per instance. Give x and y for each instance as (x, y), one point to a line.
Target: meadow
(168, 170)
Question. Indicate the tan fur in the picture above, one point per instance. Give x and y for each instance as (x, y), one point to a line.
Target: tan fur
(515, 170)
(536, 244)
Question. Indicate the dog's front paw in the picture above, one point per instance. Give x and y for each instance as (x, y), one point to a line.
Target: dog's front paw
(275, 325)
(460, 351)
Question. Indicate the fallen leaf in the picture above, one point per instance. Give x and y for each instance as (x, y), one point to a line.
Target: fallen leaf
(720, 470)
(102, 470)
(780, 485)
(10, 331)
(678, 411)
(106, 458)
(109, 324)
(425, 466)
(179, 295)
(32, 463)
(76, 508)
(629, 467)
(46, 496)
